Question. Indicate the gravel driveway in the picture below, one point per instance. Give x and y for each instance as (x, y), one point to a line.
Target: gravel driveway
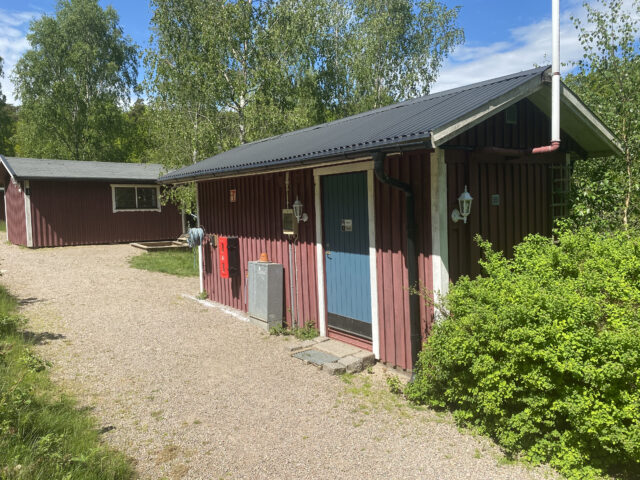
(194, 393)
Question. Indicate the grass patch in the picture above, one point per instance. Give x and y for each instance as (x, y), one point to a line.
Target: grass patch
(3, 226)
(308, 332)
(173, 263)
(43, 434)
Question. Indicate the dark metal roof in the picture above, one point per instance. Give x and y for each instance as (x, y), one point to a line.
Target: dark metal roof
(44, 169)
(406, 122)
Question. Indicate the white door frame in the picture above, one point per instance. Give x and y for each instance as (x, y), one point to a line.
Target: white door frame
(366, 166)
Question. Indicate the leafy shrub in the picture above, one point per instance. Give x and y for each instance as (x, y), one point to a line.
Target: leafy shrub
(308, 332)
(543, 353)
(10, 324)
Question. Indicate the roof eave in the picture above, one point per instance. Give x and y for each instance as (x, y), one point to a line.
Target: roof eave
(7, 166)
(581, 110)
(444, 133)
(89, 179)
(312, 162)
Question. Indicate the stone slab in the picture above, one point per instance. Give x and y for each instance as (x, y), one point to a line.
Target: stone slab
(316, 357)
(352, 364)
(334, 368)
(336, 348)
(368, 358)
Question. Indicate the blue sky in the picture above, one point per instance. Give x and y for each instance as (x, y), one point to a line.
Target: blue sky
(502, 36)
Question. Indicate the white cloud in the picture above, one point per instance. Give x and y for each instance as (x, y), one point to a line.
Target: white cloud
(13, 43)
(525, 47)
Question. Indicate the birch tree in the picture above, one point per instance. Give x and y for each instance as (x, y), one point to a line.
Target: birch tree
(79, 71)
(607, 79)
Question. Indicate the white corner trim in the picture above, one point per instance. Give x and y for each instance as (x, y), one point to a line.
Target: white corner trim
(439, 224)
(6, 215)
(197, 204)
(362, 166)
(322, 317)
(373, 267)
(200, 269)
(131, 185)
(27, 213)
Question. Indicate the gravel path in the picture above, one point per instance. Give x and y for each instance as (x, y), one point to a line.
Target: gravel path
(194, 393)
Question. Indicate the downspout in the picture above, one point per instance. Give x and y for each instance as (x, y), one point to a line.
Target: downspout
(555, 82)
(411, 259)
(555, 96)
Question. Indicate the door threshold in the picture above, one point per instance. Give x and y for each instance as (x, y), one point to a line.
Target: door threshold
(359, 342)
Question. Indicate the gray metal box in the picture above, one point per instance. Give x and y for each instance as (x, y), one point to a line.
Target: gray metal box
(265, 294)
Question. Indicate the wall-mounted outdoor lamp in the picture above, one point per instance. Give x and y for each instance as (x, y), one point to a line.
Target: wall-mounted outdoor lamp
(297, 211)
(464, 203)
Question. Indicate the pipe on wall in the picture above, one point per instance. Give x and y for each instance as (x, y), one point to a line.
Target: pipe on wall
(411, 259)
(555, 97)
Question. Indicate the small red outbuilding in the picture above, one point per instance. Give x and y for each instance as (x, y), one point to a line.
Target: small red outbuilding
(53, 203)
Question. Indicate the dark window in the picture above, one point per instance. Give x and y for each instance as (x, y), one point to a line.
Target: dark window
(136, 198)
(125, 198)
(147, 197)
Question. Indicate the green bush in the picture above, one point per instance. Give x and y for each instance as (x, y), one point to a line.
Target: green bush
(543, 353)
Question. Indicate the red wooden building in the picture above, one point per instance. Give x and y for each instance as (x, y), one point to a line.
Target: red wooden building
(379, 190)
(52, 203)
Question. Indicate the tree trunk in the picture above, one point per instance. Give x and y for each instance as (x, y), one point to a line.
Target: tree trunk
(194, 155)
(241, 120)
(627, 200)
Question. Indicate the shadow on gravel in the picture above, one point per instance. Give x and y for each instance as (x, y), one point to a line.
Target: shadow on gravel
(29, 301)
(39, 338)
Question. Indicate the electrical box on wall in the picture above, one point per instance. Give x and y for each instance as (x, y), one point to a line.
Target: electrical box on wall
(265, 294)
(229, 256)
(288, 221)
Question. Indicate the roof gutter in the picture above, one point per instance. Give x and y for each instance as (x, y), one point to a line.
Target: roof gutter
(411, 260)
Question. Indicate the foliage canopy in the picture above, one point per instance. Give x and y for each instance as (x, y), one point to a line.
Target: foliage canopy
(543, 352)
(607, 191)
(72, 83)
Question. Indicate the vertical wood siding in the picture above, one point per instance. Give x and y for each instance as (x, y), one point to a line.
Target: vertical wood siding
(523, 185)
(391, 243)
(81, 213)
(2, 212)
(16, 220)
(532, 129)
(256, 219)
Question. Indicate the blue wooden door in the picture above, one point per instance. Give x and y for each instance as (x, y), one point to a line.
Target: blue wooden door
(346, 245)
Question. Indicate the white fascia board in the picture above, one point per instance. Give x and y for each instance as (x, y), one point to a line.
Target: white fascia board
(446, 132)
(571, 100)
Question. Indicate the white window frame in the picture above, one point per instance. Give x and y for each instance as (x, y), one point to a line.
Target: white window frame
(132, 185)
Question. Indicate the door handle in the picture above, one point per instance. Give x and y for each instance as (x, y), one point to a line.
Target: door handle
(328, 253)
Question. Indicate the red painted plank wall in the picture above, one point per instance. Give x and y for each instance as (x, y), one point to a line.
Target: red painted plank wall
(256, 219)
(525, 197)
(391, 243)
(16, 226)
(81, 213)
(523, 185)
(532, 129)
(2, 212)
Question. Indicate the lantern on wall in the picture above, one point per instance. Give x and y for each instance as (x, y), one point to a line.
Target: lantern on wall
(464, 207)
(297, 211)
